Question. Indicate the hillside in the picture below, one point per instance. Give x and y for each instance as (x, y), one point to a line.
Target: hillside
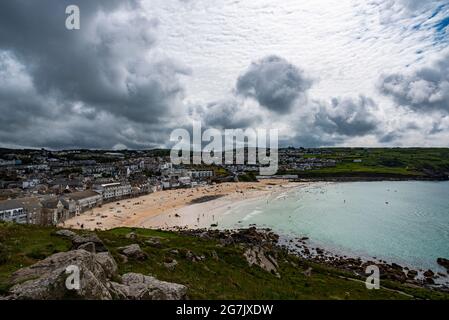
(380, 163)
(209, 268)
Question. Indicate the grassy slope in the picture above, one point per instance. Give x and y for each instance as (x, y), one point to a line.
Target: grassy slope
(228, 278)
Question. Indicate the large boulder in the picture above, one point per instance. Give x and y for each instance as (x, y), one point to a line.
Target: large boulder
(154, 242)
(89, 246)
(140, 287)
(258, 256)
(47, 278)
(84, 241)
(132, 236)
(81, 240)
(133, 251)
(443, 262)
(429, 274)
(108, 263)
(66, 234)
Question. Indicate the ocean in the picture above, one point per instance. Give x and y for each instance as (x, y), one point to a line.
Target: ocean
(406, 222)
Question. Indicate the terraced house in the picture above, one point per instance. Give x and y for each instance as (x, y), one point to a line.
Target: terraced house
(22, 210)
(84, 200)
(12, 211)
(114, 191)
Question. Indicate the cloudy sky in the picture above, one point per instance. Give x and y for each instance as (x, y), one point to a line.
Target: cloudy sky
(323, 72)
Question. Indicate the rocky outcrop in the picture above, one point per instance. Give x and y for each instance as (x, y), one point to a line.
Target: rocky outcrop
(80, 240)
(154, 242)
(251, 236)
(83, 241)
(108, 264)
(412, 274)
(47, 278)
(170, 264)
(429, 274)
(133, 251)
(66, 233)
(53, 279)
(89, 246)
(257, 256)
(132, 236)
(193, 257)
(139, 287)
(258, 245)
(444, 263)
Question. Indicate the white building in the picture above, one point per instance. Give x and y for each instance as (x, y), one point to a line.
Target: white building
(85, 200)
(31, 183)
(185, 181)
(12, 211)
(202, 174)
(111, 191)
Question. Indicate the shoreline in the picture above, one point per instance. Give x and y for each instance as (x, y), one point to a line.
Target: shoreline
(256, 238)
(362, 178)
(207, 214)
(306, 248)
(350, 261)
(199, 209)
(162, 210)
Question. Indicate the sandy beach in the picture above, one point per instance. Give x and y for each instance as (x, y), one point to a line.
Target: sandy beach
(169, 209)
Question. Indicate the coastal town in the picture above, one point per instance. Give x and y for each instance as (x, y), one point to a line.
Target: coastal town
(49, 187)
(46, 187)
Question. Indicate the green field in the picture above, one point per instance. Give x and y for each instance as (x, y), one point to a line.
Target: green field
(228, 277)
(432, 163)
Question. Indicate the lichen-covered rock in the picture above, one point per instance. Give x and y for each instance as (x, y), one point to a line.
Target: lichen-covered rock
(66, 234)
(171, 264)
(88, 246)
(108, 263)
(443, 262)
(139, 287)
(131, 235)
(80, 240)
(429, 274)
(47, 278)
(84, 241)
(133, 251)
(154, 242)
(258, 256)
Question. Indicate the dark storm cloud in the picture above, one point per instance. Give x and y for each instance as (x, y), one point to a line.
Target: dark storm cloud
(228, 114)
(425, 90)
(107, 85)
(107, 69)
(277, 85)
(274, 83)
(347, 117)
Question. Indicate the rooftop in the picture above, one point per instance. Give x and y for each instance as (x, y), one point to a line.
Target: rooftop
(82, 195)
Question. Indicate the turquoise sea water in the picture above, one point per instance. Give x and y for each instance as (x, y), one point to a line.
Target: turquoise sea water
(403, 222)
